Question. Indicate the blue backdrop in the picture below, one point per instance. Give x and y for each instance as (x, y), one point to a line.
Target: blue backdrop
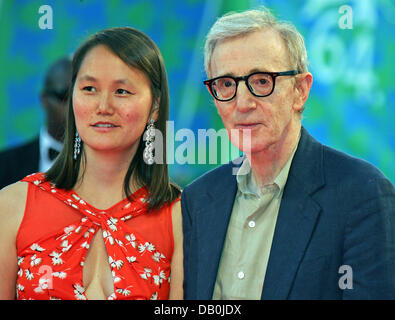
(350, 106)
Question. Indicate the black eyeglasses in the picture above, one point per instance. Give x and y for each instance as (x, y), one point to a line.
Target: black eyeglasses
(260, 84)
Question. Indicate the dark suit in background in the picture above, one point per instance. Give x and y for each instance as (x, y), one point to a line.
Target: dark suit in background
(18, 162)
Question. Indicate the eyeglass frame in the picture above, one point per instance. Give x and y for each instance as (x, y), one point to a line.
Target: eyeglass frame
(273, 75)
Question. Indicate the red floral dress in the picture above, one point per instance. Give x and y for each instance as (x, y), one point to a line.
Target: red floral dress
(51, 255)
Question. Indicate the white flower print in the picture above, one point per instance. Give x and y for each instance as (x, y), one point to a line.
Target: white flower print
(143, 200)
(112, 296)
(20, 260)
(36, 247)
(69, 229)
(65, 245)
(115, 263)
(60, 275)
(159, 278)
(126, 217)
(119, 242)
(107, 236)
(34, 261)
(20, 287)
(131, 259)
(112, 223)
(115, 278)
(29, 275)
(146, 246)
(132, 239)
(154, 296)
(85, 245)
(157, 256)
(146, 274)
(86, 234)
(56, 260)
(124, 292)
(75, 197)
(79, 291)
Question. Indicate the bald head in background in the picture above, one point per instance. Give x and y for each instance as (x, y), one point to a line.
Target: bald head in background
(54, 96)
(40, 153)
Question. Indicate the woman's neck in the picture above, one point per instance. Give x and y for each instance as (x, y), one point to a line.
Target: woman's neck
(101, 180)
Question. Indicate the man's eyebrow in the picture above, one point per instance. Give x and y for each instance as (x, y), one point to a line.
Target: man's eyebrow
(232, 74)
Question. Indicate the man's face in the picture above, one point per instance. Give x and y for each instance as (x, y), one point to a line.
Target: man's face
(54, 100)
(270, 119)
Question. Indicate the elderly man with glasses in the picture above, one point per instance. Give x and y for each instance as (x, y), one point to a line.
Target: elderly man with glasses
(298, 220)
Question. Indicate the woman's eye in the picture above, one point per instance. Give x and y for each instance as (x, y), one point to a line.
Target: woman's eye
(89, 89)
(122, 91)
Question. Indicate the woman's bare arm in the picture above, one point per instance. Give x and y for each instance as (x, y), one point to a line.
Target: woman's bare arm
(177, 268)
(12, 207)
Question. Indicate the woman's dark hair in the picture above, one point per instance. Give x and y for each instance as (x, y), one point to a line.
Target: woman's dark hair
(138, 51)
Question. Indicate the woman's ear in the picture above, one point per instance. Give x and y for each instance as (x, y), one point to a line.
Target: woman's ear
(154, 112)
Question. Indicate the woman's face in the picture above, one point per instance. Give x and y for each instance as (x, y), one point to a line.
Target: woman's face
(111, 101)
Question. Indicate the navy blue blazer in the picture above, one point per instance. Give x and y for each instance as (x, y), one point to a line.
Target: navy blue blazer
(336, 211)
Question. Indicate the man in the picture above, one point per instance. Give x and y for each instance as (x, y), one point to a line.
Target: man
(299, 220)
(40, 153)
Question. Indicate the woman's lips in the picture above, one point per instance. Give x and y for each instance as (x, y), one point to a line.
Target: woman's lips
(104, 126)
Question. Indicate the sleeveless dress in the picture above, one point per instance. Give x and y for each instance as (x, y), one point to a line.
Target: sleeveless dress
(56, 231)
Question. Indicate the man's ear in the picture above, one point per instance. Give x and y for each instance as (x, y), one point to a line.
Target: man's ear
(304, 81)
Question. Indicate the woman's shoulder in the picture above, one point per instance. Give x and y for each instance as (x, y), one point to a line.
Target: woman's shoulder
(12, 202)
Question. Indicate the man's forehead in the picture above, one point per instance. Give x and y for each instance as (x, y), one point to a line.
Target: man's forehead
(262, 49)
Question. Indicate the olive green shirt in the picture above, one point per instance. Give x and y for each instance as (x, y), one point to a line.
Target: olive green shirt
(249, 237)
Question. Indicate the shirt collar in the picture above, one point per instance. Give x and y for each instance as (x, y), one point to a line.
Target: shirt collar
(46, 142)
(247, 185)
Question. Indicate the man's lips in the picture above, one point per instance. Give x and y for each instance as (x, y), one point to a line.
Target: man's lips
(247, 125)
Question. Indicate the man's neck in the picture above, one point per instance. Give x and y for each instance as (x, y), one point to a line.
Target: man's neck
(267, 164)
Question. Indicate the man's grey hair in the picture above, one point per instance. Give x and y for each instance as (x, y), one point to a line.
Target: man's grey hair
(235, 24)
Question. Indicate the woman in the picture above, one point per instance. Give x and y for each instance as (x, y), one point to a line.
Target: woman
(103, 180)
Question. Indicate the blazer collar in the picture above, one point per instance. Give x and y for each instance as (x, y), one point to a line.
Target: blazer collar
(296, 219)
(211, 226)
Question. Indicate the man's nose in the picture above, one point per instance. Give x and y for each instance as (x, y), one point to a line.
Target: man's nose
(245, 100)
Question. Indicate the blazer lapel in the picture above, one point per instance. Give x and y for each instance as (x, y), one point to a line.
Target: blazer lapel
(211, 228)
(296, 220)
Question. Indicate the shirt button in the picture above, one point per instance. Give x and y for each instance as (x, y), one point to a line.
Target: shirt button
(251, 224)
(240, 275)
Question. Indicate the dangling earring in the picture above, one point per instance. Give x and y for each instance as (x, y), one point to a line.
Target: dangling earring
(77, 145)
(148, 154)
